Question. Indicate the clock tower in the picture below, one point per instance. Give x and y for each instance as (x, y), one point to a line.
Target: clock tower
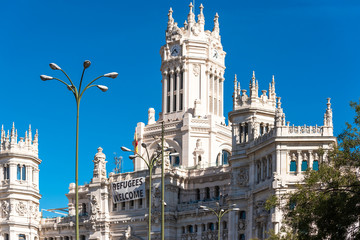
(193, 65)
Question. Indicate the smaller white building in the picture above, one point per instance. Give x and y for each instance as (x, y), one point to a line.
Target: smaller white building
(19, 186)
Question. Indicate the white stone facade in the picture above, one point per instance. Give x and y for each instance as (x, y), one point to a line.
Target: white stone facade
(241, 164)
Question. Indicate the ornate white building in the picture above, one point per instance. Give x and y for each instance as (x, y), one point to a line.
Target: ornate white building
(219, 166)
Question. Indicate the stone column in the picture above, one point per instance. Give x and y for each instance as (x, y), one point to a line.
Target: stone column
(278, 156)
(299, 160)
(171, 90)
(310, 159)
(178, 89)
(164, 96)
(267, 167)
(232, 224)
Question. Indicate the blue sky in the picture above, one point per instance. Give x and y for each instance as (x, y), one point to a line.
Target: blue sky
(312, 48)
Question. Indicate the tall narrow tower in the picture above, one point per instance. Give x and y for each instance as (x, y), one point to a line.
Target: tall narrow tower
(193, 65)
(19, 186)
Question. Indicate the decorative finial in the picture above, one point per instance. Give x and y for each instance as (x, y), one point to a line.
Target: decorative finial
(253, 76)
(279, 102)
(216, 24)
(191, 15)
(201, 8)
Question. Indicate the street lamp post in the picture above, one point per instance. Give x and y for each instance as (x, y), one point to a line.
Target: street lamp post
(78, 93)
(150, 163)
(163, 179)
(219, 214)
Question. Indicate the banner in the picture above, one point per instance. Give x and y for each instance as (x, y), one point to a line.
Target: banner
(128, 190)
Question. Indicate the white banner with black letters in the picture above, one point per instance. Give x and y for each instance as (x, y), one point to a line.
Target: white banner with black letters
(128, 190)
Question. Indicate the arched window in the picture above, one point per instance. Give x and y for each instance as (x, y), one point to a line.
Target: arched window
(292, 166)
(183, 229)
(316, 165)
(203, 228)
(211, 226)
(242, 215)
(207, 193)
(224, 225)
(225, 157)
(18, 175)
(6, 236)
(179, 195)
(197, 194)
(304, 165)
(6, 172)
(242, 237)
(22, 236)
(23, 174)
(83, 209)
(217, 191)
(175, 161)
(196, 228)
(190, 229)
(82, 237)
(270, 167)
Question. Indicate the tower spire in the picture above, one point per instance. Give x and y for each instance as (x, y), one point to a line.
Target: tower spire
(170, 20)
(191, 15)
(201, 18)
(216, 28)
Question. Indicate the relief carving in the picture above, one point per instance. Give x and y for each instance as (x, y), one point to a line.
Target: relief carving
(21, 208)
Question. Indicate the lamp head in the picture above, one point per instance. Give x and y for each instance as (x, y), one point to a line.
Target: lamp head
(45, 77)
(203, 207)
(236, 209)
(102, 88)
(87, 64)
(111, 75)
(54, 66)
(144, 145)
(125, 149)
(132, 157)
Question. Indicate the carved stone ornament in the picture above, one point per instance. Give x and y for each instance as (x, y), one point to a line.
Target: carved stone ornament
(21, 208)
(242, 177)
(196, 70)
(5, 209)
(94, 208)
(129, 234)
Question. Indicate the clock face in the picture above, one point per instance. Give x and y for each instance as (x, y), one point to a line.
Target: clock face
(175, 50)
(215, 54)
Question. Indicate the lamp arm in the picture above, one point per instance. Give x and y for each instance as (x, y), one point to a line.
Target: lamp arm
(67, 85)
(89, 84)
(67, 77)
(81, 79)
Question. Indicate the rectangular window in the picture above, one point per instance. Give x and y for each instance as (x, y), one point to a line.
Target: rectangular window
(181, 102)
(123, 206)
(140, 203)
(181, 80)
(175, 82)
(174, 103)
(114, 207)
(168, 83)
(23, 174)
(168, 104)
(18, 175)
